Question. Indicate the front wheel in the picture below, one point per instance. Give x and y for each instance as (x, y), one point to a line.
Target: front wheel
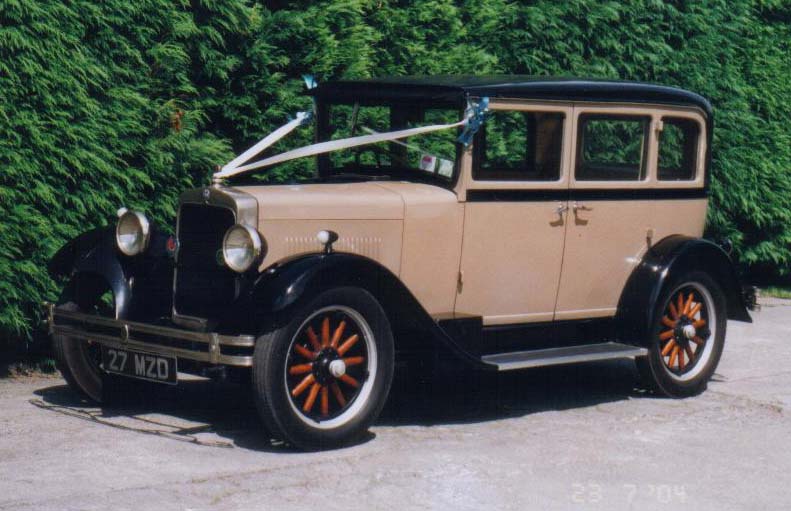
(79, 362)
(322, 379)
(687, 337)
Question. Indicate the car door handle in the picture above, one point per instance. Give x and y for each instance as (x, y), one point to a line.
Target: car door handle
(562, 208)
(580, 206)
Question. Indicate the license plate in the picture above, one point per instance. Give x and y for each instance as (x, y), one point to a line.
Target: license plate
(145, 366)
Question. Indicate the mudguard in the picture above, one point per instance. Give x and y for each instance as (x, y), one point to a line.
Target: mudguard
(141, 285)
(669, 257)
(293, 282)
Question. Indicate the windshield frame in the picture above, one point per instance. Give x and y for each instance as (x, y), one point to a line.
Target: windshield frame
(326, 170)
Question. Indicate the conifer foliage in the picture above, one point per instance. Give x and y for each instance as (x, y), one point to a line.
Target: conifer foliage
(104, 104)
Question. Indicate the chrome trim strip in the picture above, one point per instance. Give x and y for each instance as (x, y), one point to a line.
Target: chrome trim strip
(243, 205)
(565, 355)
(127, 332)
(190, 322)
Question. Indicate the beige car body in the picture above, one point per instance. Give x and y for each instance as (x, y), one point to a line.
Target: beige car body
(507, 262)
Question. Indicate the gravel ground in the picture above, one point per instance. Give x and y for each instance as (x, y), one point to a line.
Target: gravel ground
(581, 437)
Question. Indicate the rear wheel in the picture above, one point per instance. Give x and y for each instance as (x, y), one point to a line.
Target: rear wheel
(687, 338)
(322, 379)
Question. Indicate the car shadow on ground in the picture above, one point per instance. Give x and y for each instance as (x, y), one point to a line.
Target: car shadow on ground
(223, 414)
(470, 397)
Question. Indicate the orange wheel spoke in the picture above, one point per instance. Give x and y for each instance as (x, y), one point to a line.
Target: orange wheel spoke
(325, 401)
(681, 364)
(669, 346)
(325, 332)
(673, 356)
(300, 369)
(338, 393)
(667, 334)
(313, 338)
(668, 322)
(314, 391)
(699, 323)
(698, 340)
(353, 361)
(304, 352)
(695, 309)
(347, 344)
(673, 311)
(304, 384)
(330, 330)
(336, 337)
(690, 354)
(688, 303)
(348, 380)
(680, 303)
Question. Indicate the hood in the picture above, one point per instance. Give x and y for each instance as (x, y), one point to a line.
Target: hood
(327, 201)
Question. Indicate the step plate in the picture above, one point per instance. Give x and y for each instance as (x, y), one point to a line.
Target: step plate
(566, 355)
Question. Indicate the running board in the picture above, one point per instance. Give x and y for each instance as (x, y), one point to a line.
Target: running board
(567, 355)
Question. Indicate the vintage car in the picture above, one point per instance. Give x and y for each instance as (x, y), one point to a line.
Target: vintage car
(506, 222)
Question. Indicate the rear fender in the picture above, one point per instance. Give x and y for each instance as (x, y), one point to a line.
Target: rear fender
(672, 256)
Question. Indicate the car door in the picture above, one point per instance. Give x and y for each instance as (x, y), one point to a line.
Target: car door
(514, 223)
(610, 208)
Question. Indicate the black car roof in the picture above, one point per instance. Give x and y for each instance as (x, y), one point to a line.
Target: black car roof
(456, 88)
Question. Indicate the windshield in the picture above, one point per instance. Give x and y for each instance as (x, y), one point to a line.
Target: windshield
(430, 155)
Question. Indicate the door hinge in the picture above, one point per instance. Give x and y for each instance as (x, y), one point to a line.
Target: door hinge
(460, 281)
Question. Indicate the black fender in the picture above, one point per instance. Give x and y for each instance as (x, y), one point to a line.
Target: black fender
(291, 283)
(91, 263)
(671, 256)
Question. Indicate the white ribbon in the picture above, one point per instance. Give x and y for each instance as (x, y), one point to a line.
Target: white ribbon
(229, 169)
(233, 168)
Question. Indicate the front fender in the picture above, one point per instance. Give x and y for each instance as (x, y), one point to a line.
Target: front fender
(293, 282)
(141, 285)
(669, 257)
(62, 263)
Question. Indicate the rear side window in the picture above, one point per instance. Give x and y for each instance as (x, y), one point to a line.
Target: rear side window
(519, 146)
(612, 148)
(678, 149)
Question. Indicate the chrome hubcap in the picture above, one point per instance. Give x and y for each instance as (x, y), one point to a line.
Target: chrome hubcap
(337, 368)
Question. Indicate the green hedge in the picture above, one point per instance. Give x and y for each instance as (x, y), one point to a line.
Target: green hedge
(121, 102)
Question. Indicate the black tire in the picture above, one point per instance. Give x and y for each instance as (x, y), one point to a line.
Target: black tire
(670, 377)
(79, 363)
(275, 358)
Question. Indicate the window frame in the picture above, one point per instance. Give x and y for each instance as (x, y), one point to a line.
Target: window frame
(480, 146)
(697, 168)
(645, 121)
(656, 112)
(468, 183)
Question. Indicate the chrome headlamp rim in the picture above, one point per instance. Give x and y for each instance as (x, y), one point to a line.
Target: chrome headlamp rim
(257, 246)
(144, 227)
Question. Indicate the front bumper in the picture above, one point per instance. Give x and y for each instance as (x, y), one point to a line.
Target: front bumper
(209, 347)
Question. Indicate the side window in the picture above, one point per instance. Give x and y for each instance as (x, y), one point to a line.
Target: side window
(678, 149)
(612, 148)
(519, 146)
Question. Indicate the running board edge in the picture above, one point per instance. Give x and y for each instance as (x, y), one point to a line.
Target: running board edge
(565, 355)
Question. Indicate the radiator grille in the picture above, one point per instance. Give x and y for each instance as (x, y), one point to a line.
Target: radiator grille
(203, 287)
